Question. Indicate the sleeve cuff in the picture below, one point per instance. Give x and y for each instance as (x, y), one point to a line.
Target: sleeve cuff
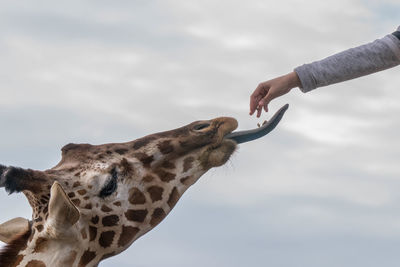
(306, 78)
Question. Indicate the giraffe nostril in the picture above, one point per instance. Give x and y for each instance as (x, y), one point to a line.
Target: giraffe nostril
(201, 126)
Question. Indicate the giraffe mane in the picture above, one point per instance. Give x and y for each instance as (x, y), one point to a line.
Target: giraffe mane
(9, 253)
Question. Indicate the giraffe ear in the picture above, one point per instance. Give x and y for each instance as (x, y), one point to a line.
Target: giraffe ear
(13, 228)
(62, 212)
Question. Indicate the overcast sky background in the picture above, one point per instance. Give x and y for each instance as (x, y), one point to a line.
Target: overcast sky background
(323, 189)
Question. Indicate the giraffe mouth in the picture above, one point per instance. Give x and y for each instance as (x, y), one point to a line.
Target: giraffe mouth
(250, 135)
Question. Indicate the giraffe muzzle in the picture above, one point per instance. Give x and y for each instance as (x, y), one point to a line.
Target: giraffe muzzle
(250, 135)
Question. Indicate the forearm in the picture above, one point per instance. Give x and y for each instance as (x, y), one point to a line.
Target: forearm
(379, 55)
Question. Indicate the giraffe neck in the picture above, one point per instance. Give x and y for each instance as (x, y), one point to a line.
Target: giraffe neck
(40, 251)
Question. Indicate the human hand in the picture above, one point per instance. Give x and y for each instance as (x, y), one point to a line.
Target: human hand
(266, 91)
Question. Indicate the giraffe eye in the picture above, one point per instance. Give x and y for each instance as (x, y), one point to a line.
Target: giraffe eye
(201, 126)
(111, 185)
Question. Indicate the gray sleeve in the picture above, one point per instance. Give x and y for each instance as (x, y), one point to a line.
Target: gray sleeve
(355, 62)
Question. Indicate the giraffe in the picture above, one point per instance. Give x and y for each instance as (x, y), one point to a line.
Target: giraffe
(100, 198)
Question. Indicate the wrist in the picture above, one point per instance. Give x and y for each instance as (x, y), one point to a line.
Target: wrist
(293, 80)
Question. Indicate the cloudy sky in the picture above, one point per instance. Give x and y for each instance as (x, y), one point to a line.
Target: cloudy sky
(321, 190)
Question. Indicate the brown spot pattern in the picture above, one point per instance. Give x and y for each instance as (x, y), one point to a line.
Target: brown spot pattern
(173, 197)
(88, 206)
(165, 176)
(105, 208)
(136, 215)
(155, 193)
(106, 238)
(142, 142)
(157, 217)
(41, 245)
(126, 167)
(144, 158)
(136, 196)
(148, 178)
(71, 194)
(121, 151)
(35, 263)
(168, 165)
(118, 204)
(127, 235)
(95, 219)
(76, 201)
(87, 257)
(92, 233)
(82, 192)
(187, 164)
(165, 147)
(110, 220)
(184, 144)
(39, 228)
(18, 260)
(76, 184)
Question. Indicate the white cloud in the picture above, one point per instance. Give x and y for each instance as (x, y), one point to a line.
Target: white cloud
(319, 186)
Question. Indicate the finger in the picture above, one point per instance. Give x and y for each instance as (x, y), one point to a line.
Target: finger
(259, 110)
(266, 107)
(252, 105)
(265, 101)
(254, 98)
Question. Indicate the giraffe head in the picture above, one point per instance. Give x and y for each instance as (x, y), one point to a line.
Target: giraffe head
(101, 198)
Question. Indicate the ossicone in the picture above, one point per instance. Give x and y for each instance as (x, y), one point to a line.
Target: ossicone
(15, 179)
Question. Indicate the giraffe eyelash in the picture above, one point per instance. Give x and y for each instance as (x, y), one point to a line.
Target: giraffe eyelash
(201, 126)
(111, 185)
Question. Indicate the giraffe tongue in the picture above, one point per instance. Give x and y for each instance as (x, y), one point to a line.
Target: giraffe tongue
(250, 135)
